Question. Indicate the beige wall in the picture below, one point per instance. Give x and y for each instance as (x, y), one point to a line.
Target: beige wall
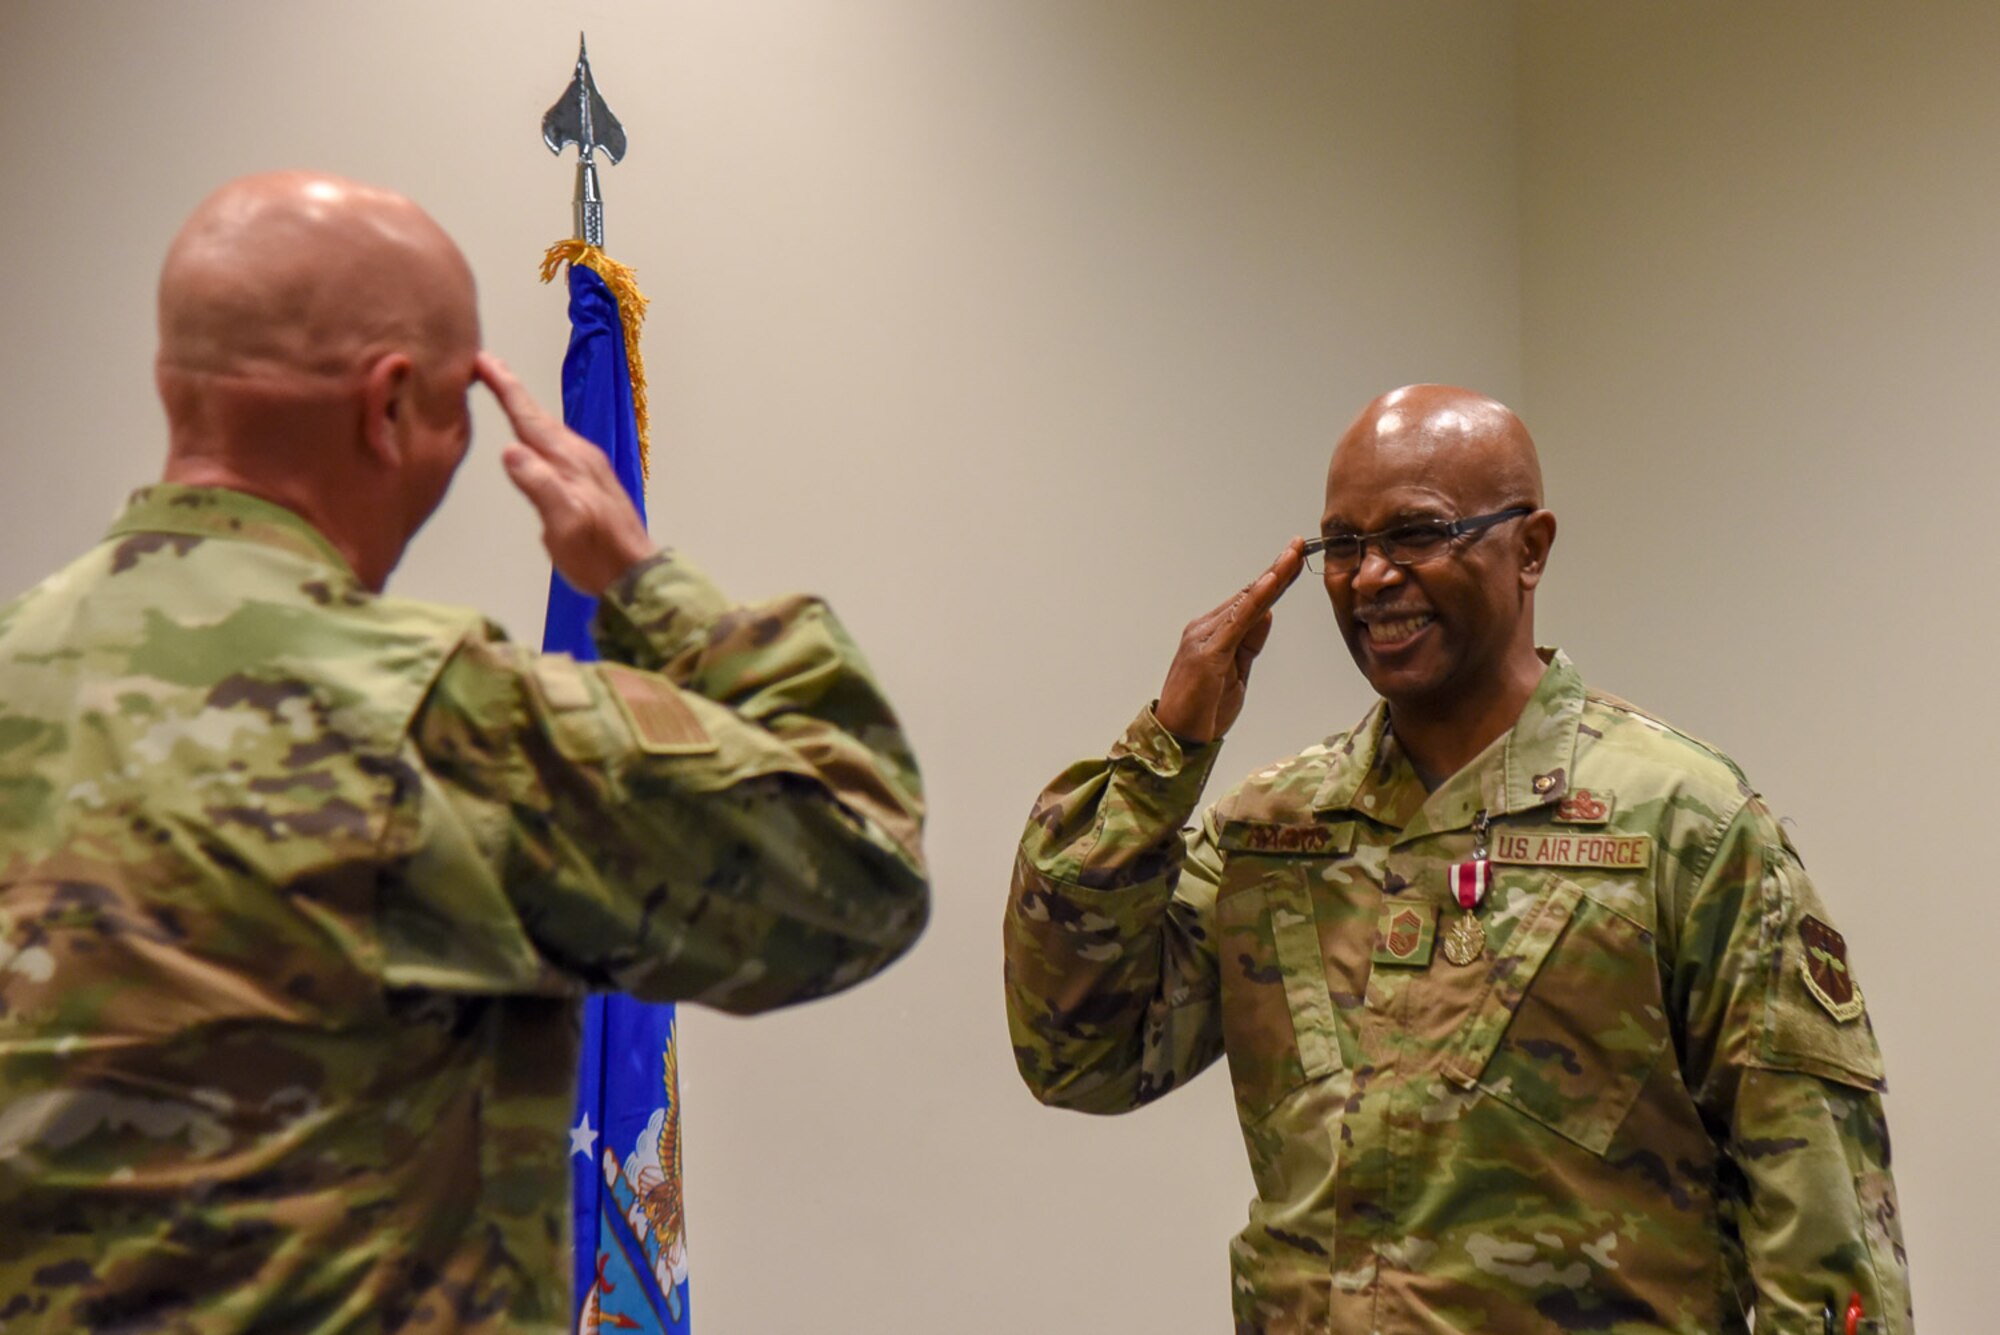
(1020, 330)
(1762, 312)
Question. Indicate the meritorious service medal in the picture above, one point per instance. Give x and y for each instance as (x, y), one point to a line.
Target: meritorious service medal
(1466, 940)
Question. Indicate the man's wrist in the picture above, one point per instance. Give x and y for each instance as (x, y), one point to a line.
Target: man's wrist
(621, 587)
(1183, 729)
(1156, 748)
(635, 553)
(657, 611)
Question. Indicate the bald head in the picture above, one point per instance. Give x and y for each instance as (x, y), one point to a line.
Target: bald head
(317, 339)
(294, 276)
(1471, 447)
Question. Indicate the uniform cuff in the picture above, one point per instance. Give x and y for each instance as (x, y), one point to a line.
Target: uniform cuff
(1157, 776)
(656, 611)
(1168, 756)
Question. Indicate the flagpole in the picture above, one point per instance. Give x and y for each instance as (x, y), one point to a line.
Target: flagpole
(582, 117)
(626, 1205)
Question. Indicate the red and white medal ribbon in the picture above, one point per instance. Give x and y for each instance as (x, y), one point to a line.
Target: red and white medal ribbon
(1468, 883)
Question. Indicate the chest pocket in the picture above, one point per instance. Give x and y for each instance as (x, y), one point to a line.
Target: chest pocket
(1277, 1013)
(1570, 1024)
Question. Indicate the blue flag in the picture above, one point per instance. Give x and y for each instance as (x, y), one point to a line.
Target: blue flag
(625, 1145)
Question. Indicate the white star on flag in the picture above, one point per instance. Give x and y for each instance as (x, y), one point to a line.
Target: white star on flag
(581, 1138)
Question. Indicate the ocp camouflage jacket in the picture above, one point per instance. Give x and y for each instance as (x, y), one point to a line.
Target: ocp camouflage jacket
(1648, 1102)
(301, 887)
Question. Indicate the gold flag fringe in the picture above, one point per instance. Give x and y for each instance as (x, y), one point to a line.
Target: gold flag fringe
(624, 285)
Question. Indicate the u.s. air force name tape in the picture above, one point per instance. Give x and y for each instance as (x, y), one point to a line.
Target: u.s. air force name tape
(1564, 848)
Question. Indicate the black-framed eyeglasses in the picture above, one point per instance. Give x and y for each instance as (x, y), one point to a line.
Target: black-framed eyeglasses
(1408, 544)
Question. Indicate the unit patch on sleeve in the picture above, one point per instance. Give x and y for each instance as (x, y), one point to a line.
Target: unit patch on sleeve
(1564, 848)
(1825, 965)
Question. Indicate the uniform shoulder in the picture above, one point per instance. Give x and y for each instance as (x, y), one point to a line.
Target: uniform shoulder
(477, 664)
(383, 649)
(1283, 791)
(418, 616)
(402, 637)
(1644, 749)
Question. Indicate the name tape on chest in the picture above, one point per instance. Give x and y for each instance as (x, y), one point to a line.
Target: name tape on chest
(1257, 836)
(1566, 848)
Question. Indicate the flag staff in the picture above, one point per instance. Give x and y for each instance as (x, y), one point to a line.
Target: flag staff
(581, 117)
(626, 1204)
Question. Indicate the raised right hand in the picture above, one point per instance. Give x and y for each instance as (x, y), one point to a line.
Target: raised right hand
(589, 525)
(1205, 686)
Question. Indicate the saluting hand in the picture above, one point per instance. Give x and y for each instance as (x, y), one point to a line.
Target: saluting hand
(1205, 685)
(589, 525)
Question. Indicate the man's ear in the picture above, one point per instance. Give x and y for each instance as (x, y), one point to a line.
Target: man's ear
(386, 387)
(1538, 535)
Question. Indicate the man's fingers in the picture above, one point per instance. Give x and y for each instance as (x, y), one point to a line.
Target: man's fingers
(515, 401)
(532, 423)
(1261, 594)
(533, 475)
(1291, 561)
(1204, 686)
(1278, 577)
(1253, 641)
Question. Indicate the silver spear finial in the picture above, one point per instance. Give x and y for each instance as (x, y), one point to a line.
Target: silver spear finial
(580, 117)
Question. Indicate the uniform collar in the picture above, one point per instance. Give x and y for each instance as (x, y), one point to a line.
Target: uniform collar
(1371, 776)
(218, 512)
(1527, 767)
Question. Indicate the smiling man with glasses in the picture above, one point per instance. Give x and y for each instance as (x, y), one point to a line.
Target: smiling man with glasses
(1534, 1021)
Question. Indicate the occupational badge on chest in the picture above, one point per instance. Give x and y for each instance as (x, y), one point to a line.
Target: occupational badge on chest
(1405, 933)
(1465, 941)
(1581, 806)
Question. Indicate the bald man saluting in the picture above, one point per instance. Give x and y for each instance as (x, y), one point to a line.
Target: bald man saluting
(301, 885)
(1534, 1021)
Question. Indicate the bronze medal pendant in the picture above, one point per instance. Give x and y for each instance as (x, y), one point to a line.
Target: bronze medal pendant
(1466, 941)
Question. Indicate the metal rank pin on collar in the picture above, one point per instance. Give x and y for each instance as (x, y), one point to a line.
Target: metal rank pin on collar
(580, 117)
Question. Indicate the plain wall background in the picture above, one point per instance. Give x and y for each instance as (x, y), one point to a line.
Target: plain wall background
(1021, 330)
(1762, 314)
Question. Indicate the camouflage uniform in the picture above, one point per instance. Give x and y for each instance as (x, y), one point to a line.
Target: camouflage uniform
(300, 888)
(1632, 1112)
